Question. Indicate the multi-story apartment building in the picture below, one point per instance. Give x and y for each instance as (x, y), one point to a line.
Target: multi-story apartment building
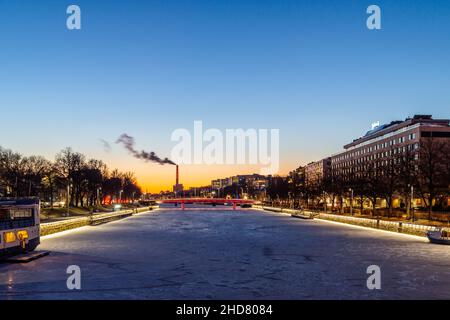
(254, 180)
(246, 184)
(316, 171)
(381, 151)
(257, 181)
(203, 192)
(220, 183)
(297, 177)
(216, 184)
(225, 182)
(385, 141)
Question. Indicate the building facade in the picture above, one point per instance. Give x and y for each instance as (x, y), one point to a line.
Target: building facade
(246, 185)
(385, 151)
(317, 171)
(385, 141)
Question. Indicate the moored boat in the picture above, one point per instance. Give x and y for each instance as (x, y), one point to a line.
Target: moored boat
(303, 215)
(439, 236)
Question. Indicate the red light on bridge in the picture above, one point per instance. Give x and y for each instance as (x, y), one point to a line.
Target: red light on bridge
(183, 201)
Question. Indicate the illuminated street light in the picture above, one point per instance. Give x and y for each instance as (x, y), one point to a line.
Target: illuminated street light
(69, 185)
(412, 202)
(351, 201)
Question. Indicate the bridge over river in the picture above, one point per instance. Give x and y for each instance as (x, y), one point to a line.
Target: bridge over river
(229, 254)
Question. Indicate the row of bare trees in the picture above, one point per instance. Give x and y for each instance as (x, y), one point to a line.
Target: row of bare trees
(398, 172)
(88, 181)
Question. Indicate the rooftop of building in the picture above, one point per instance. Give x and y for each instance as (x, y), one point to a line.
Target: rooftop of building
(18, 201)
(396, 125)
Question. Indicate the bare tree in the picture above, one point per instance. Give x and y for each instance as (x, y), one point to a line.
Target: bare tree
(408, 173)
(358, 183)
(36, 176)
(432, 169)
(373, 175)
(14, 172)
(390, 177)
(70, 165)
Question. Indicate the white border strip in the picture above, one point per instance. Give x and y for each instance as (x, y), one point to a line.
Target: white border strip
(411, 236)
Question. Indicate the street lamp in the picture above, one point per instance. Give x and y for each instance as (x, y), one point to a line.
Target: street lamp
(98, 197)
(351, 201)
(67, 200)
(289, 196)
(16, 188)
(412, 202)
(300, 203)
(324, 201)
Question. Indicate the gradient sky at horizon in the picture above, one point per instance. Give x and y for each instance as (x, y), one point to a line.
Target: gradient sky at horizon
(310, 68)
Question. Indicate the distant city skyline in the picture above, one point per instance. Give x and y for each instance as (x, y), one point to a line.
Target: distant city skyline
(312, 70)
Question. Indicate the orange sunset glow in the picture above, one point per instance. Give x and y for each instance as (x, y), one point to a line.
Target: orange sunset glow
(154, 178)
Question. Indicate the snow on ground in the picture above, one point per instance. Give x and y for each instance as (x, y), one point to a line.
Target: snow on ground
(225, 254)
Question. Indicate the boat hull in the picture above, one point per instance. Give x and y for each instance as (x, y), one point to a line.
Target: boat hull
(301, 216)
(435, 237)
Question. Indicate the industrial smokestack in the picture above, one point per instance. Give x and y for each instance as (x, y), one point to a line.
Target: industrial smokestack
(177, 188)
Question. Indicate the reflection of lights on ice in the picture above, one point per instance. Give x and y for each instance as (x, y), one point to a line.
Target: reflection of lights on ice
(10, 281)
(411, 236)
(196, 236)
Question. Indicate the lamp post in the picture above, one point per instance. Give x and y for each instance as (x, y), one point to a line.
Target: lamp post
(412, 202)
(15, 188)
(300, 202)
(68, 200)
(100, 196)
(324, 201)
(351, 201)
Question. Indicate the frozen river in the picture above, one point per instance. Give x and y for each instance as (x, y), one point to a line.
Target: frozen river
(224, 254)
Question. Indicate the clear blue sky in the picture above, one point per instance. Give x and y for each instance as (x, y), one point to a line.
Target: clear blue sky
(310, 68)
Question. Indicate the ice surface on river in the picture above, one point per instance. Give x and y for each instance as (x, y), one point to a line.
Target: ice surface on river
(225, 254)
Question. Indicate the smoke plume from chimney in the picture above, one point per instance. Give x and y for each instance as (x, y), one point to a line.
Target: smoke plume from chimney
(128, 143)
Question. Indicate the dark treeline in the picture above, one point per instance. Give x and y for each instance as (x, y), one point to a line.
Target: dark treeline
(425, 171)
(88, 180)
